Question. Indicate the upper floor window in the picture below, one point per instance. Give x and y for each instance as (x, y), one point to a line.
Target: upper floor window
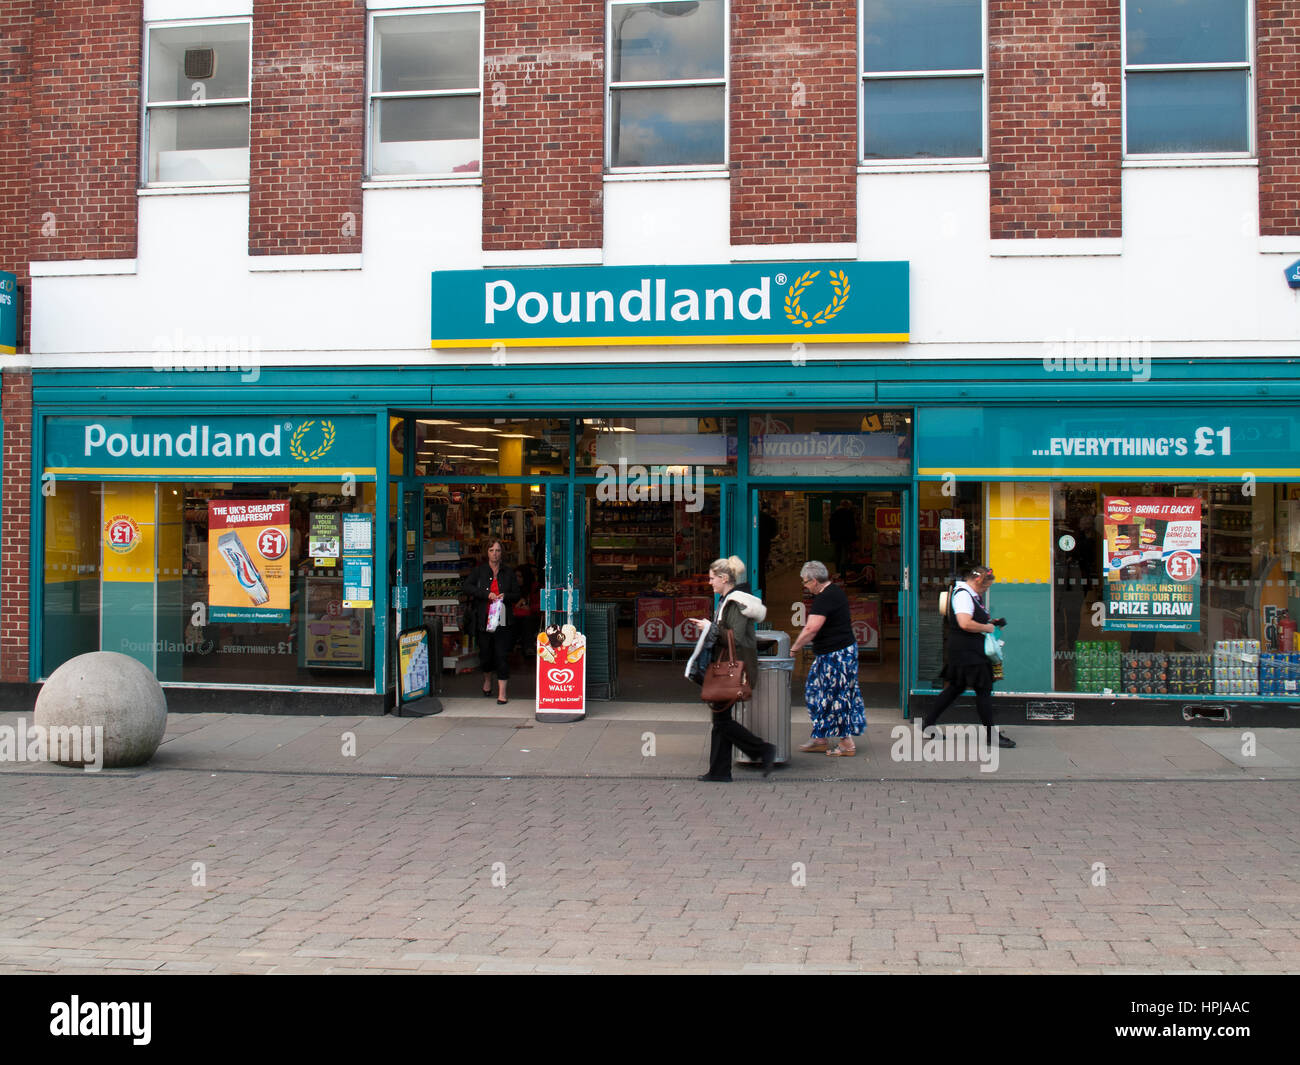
(426, 109)
(1187, 76)
(667, 83)
(197, 103)
(922, 79)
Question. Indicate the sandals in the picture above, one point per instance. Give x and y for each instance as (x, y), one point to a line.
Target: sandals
(814, 746)
(842, 752)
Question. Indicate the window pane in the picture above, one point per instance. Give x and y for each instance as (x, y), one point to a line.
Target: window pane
(659, 127)
(1186, 31)
(663, 41)
(1201, 111)
(438, 135)
(427, 52)
(496, 447)
(73, 574)
(841, 443)
(167, 47)
(936, 118)
(198, 143)
(922, 35)
(655, 442)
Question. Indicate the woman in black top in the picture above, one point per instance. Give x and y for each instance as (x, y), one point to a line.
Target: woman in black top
(493, 582)
(831, 691)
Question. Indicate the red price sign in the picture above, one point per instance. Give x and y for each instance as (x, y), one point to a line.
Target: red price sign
(272, 543)
(123, 534)
(1182, 566)
(655, 630)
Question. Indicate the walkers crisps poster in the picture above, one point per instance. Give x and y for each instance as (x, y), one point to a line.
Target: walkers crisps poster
(1151, 564)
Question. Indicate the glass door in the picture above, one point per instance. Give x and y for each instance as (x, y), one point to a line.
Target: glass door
(561, 592)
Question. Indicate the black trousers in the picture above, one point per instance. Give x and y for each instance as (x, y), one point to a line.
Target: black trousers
(950, 694)
(494, 650)
(728, 732)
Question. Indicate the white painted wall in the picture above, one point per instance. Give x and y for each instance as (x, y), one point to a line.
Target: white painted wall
(1190, 279)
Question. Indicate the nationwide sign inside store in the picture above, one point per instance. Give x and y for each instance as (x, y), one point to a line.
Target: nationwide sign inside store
(752, 303)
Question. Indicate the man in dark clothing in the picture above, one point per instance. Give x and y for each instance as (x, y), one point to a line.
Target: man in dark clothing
(844, 533)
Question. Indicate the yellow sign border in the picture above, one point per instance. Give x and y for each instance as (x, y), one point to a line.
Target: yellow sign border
(591, 342)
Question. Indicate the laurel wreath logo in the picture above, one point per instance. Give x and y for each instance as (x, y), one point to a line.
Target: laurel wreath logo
(296, 448)
(797, 315)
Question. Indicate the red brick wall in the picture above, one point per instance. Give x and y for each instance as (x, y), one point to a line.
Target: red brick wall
(1277, 50)
(1055, 139)
(15, 90)
(543, 132)
(307, 136)
(84, 150)
(15, 557)
(793, 121)
(15, 87)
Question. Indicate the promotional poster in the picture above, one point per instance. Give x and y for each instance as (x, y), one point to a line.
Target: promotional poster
(1151, 564)
(248, 560)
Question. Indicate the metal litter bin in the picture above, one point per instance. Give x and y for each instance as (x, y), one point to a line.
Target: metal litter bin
(767, 714)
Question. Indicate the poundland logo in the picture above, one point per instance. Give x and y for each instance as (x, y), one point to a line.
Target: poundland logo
(199, 442)
(648, 302)
(728, 303)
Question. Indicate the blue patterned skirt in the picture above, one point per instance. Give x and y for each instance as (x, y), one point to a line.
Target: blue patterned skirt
(833, 696)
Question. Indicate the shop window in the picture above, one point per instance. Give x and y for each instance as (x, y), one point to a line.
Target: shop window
(843, 443)
(922, 79)
(491, 447)
(167, 574)
(1187, 75)
(197, 104)
(426, 94)
(938, 569)
(665, 451)
(1134, 615)
(667, 83)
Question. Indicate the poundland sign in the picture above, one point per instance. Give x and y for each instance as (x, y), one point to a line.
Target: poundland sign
(262, 445)
(762, 303)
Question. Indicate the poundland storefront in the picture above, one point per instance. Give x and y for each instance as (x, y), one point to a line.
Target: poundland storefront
(1145, 536)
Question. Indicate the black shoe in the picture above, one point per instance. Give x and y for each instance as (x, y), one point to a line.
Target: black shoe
(769, 758)
(710, 778)
(1005, 741)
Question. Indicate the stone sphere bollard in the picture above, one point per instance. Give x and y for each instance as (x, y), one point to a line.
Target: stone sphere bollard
(110, 691)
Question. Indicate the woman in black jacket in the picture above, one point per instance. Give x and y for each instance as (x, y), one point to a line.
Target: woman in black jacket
(493, 582)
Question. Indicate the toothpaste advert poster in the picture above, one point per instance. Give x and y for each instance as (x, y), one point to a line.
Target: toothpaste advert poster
(1151, 564)
(248, 560)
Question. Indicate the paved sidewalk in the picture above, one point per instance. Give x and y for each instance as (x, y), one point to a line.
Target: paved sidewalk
(481, 841)
(670, 741)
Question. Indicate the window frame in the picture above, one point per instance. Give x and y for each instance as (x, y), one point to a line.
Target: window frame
(372, 95)
(1248, 64)
(721, 166)
(894, 162)
(146, 105)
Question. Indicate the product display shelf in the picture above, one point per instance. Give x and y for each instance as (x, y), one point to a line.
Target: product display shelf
(629, 550)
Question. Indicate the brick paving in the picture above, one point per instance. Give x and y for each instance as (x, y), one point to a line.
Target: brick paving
(311, 871)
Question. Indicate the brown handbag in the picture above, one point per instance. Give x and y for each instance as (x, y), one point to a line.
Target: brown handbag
(725, 681)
